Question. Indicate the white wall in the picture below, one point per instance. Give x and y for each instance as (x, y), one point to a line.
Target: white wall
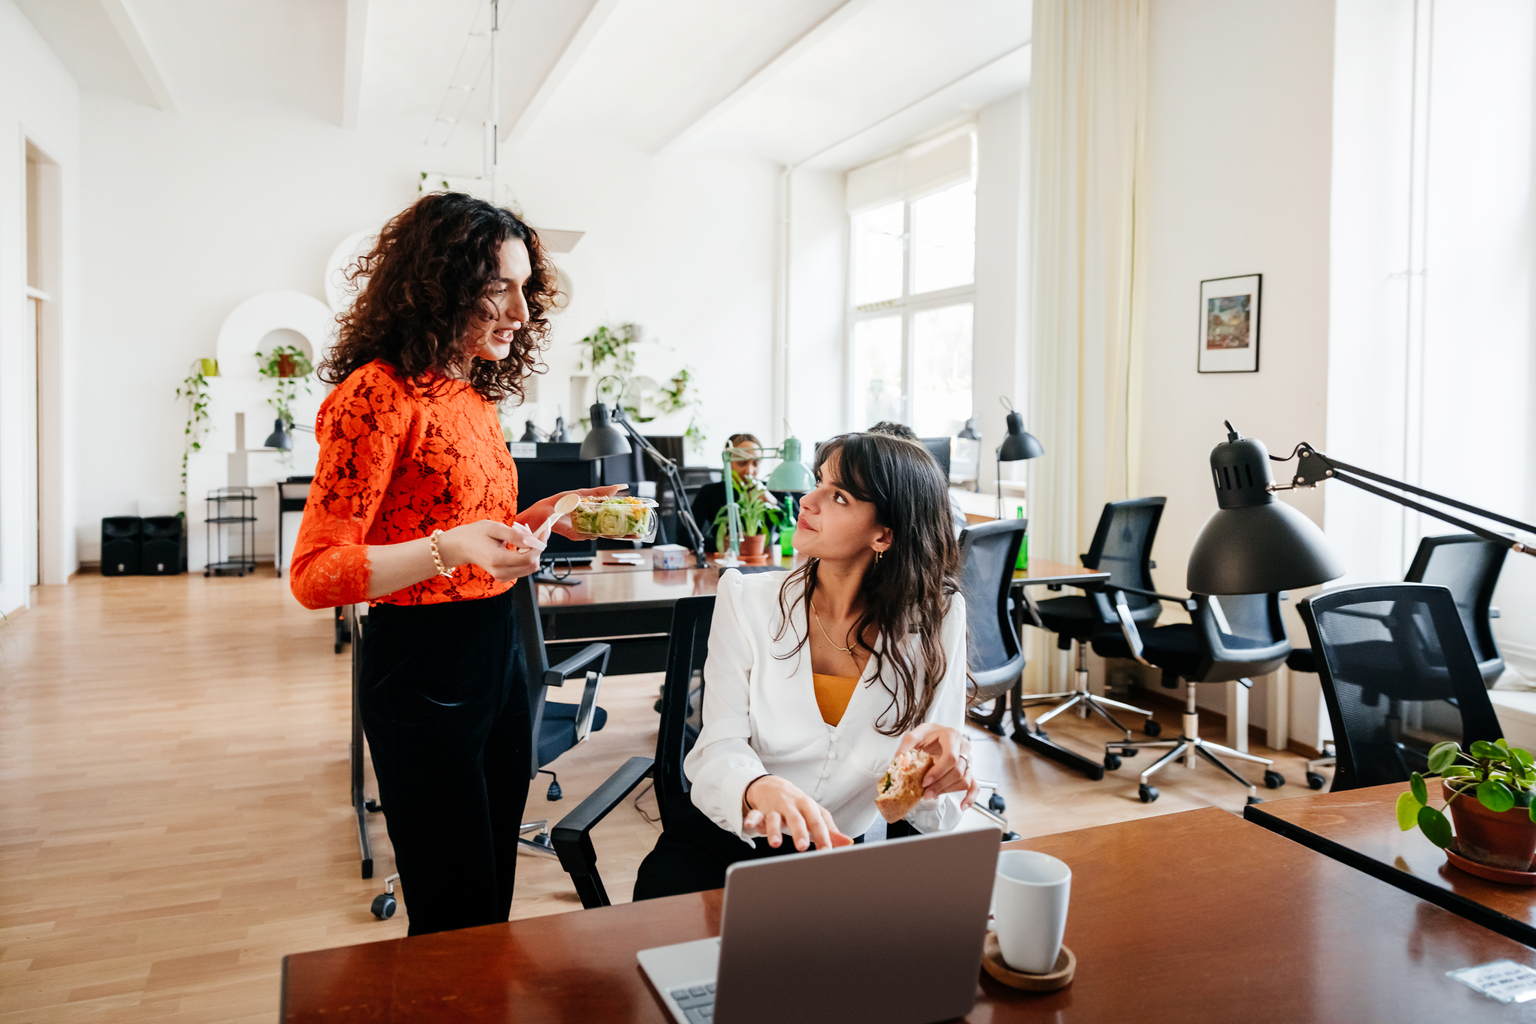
(817, 308)
(189, 214)
(1237, 169)
(40, 103)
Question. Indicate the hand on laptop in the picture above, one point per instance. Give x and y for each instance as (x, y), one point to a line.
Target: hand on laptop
(951, 771)
(777, 807)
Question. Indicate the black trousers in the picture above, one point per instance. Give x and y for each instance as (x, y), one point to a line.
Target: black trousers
(444, 702)
(692, 855)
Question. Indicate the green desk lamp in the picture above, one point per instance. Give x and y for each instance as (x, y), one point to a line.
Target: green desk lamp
(790, 475)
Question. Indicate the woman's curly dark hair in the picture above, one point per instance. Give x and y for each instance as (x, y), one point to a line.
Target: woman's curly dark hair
(427, 289)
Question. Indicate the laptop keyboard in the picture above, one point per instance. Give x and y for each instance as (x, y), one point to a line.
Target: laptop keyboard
(697, 1002)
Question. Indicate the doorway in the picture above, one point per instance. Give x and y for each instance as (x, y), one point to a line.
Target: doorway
(44, 526)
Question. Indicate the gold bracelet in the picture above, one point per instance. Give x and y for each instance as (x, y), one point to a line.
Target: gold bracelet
(437, 559)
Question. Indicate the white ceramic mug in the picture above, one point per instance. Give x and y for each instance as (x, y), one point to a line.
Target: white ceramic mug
(1029, 909)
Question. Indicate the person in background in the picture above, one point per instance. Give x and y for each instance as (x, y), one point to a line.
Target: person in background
(906, 433)
(817, 678)
(711, 497)
(414, 510)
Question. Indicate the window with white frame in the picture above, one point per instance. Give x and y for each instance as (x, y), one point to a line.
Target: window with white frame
(912, 293)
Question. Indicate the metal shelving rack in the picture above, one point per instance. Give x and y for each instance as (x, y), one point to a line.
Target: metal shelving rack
(231, 517)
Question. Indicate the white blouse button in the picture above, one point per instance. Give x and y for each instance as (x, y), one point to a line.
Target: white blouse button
(831, 755)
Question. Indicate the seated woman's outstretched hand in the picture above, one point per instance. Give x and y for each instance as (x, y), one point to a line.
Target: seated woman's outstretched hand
(951, 771)
(776, 807)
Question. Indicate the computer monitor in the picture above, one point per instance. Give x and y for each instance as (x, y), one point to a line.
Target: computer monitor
(554, 468)
(938, 447)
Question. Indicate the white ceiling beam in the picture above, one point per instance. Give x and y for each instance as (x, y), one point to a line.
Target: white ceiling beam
(122, 18)
(582, 38)
(352, 62)
(807, 41)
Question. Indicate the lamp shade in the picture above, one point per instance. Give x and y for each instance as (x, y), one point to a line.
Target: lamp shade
(279, 438)
(604, 439)
(791, 474)
(1019, 444)
(1253, 543)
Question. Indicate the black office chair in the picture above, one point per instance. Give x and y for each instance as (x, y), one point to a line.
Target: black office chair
(557, 726)
(682, 697)
(1122, 546)
(1468, 566)
(1228, 639)
(1399, 675)
(988, 554)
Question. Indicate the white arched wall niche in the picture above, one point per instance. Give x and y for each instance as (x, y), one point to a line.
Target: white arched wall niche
(239, 388)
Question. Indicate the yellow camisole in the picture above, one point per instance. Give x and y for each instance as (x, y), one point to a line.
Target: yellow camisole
(833, 694)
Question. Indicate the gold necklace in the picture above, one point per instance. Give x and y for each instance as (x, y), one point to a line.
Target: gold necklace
(845, 650)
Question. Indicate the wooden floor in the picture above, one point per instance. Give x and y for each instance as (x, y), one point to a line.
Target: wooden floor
(174, 799)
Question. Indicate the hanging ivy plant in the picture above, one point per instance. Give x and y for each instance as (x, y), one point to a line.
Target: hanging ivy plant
(194, 391)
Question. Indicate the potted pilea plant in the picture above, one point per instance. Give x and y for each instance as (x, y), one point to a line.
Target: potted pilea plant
(1488, 790)
(758, 508)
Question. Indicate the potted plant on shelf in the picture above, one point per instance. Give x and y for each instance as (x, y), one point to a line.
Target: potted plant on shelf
(1489, 793)
(289, 367)
(758, 509)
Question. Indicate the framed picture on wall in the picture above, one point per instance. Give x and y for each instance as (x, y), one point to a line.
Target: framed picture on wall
(1229, 324)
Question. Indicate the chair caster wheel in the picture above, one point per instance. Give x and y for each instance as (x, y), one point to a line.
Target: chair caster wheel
(1152, 727)
(1011, 837)
(1314, 780)
(996, 804)
(1147, 793)
(383, 906)
(338, 648)
(1273, 780)
(1111, 762)
(1255, 800)
(372, 805)
(1129, 752)
(554, 792)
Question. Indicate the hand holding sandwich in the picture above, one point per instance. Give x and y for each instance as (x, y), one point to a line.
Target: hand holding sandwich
(776, 807)
(951, 752)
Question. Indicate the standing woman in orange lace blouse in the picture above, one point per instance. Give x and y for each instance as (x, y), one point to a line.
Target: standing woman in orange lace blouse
(414, 509)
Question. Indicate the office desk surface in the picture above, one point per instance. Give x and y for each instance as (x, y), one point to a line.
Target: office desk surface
(1198, 916)
(643, 587)
(1359, 828)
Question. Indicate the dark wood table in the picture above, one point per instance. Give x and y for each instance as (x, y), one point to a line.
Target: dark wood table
(1190, 917)
(1359, 828)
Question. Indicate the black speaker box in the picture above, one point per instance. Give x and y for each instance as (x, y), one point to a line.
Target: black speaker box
(122, 539)
(165, 546)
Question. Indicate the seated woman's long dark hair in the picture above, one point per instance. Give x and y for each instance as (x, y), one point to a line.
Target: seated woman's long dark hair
(909, 590)
(428, 282)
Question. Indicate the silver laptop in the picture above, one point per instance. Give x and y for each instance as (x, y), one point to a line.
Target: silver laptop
(889, 931)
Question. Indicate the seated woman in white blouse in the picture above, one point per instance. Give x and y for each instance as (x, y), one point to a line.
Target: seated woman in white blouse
(817, 678)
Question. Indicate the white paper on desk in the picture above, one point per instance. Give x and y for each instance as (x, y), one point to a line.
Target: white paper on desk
(1504, 980)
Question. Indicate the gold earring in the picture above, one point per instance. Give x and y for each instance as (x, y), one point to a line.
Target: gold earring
(877, 556)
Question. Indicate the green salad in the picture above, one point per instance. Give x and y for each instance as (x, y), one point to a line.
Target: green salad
(613, 517)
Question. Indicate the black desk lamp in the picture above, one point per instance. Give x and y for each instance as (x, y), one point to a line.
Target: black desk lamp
(1254, 544)
(605, 439)
(1018, 445)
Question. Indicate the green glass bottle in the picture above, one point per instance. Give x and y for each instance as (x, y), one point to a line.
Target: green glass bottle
(1023, 560)
(787, 529)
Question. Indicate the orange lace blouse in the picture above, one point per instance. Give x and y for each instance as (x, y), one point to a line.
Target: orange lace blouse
(395, 464)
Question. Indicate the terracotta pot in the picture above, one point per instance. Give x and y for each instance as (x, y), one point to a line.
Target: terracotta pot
(1503, 839)
(752, 546)
(285, 367)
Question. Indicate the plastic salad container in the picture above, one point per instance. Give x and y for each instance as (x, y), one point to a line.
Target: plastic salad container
(618, 516)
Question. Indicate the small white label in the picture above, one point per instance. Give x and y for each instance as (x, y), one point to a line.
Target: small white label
(523, 449)
(1504, 980)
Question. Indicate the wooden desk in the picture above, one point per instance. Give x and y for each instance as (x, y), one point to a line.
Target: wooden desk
(1359, 828)
(1189, 917)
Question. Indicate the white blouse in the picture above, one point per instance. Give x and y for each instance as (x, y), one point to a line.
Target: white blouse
(761, 717)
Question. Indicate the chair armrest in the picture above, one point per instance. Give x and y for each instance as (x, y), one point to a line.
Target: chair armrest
(1187, 603)
(1128, 628)
(572, 836)
(581, 661)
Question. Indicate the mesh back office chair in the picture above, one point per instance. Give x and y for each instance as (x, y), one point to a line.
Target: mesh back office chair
(1398, 675)
(995, 658)
(1122, 547)
(1468, 566)
(1228, 639)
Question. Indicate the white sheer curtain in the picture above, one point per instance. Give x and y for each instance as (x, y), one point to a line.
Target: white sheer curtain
(1086, 116)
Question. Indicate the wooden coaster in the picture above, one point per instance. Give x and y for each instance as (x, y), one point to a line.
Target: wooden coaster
(1060, 977)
